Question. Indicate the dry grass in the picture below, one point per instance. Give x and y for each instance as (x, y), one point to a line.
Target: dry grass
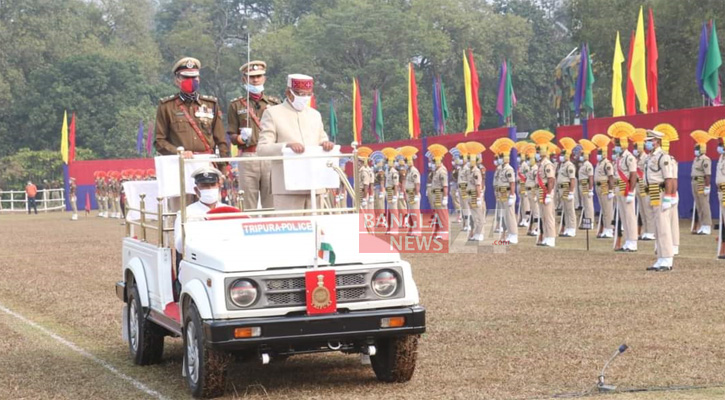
(524, 322)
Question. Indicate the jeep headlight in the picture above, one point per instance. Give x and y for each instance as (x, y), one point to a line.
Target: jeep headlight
(243, 293)
(385, 283)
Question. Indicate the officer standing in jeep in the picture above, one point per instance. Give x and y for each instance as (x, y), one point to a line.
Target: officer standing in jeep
(243, 120)
(187, 118)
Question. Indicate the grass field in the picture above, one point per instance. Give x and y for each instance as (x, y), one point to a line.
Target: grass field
(504, 322)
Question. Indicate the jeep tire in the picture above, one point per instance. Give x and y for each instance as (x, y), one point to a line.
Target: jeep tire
(145, 339)
(395, 358)
(206, 369)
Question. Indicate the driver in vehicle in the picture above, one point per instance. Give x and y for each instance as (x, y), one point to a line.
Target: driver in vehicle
(207, 181)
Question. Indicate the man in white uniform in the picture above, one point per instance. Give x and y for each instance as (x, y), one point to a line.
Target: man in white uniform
(207, 181)
(292, 124)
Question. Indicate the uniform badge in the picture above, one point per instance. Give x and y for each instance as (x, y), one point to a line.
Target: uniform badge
(204, 113)
(321, 295)
(241, 111)
(189, 64)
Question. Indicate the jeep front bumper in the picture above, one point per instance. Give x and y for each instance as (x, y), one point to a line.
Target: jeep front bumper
(296, 329)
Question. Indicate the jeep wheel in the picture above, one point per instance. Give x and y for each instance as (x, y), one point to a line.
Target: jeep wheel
(145, 339)
(395, 358)
(206, 369)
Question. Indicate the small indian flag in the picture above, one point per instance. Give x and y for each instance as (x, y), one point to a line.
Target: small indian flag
(326, 252)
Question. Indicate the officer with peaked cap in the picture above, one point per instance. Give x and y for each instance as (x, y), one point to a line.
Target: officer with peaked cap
(188, 119)
(244, 123)
(207, 182)
(659, 178)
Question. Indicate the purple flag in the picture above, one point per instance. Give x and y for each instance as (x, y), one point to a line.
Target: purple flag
(701, 57)
(374, 116)
(149, 140)
(139, 138)
(500, 107)
(581, 80)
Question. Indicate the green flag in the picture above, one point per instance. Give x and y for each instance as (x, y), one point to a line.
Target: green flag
(508, 102)
(713, 61)
(333, 123)
(379, 126)
(588, 95)
(444, 104)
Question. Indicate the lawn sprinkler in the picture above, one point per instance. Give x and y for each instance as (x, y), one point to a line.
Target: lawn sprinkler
(603, 387)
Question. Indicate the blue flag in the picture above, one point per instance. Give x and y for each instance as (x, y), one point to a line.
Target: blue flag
(139, 138)
(701, 58)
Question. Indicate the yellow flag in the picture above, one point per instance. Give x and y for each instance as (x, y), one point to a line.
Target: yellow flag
(638, 67)
(469, 98)
(64, 138)
(617, 99)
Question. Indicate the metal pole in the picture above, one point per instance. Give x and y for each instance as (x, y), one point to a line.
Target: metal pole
(143, 217)
(182, 196)
(356, 177)
(160, 215)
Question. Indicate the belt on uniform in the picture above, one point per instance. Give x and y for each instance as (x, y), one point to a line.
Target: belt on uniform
(699, 184)
(655, 193)
(721, 186)
(249, 149)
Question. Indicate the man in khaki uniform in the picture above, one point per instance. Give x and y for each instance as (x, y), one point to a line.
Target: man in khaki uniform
(532, 191)
(644, 210)
(660, 188)
(505, 185)
(475, 186)
(439, 191)
(523, 170)
(604, 181)
(671, 135)
(453, 185)
(701, 183)
(412, 191)
(243, 125)
(392, 188)
(586, 179)
(73, 195)
(546, 181)
(463, 191)
(566, 182)
(717, 131)
(626, 172)
(365, 173)
(402, 168)
(188, 119)
(294, 125)
(379, 185)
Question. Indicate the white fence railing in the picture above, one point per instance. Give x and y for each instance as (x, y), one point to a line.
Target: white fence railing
(45, 200)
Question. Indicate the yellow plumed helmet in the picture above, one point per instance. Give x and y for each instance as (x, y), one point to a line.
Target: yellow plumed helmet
(638, 136)
(587, 146)
(389, 153)
(528, 150)
(601, 141)
(669, 131)
(717, 130)
(541, 136)
(567, 144)
(438, 151)
(504, 146)
(408, 152)
(622, 131)
(494, 148)
(700, 137)
(364, 152)
(520, 145)
(554, 149)
(463, 149)
(475, 148)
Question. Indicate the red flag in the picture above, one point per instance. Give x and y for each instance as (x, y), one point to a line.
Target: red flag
(313, 101)
(474, 91)
(320, 291)
(88, 202)
(630, 106)
(413, 120)
(357, 118)
(652, 56)
(72, 140)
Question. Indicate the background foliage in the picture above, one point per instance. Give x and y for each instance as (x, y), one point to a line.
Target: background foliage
(109, 60)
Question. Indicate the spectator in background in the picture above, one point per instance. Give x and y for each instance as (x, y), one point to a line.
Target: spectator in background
(31, 191)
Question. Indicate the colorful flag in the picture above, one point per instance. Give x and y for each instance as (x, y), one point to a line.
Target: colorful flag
(64, 138)
(510, 99)
(379, 126)
(139, 137)
(72, 139)
(652, 56)
(588, 85)
(637, 71)
(150, 141)
(333, 123)
(581, 80)
(357, 123)
(413, 121)
(617, 100)
(474, 92)
(437, 114)
(374, 117)
(713, 61)
(444, 105)
(500, 102)
(326, 253)
(630, 103)
(469, 96)
(701, 58)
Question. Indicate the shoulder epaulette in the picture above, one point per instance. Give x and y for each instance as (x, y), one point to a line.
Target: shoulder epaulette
(272, 99)
(208, 98)
(167, 99)
(235, 99)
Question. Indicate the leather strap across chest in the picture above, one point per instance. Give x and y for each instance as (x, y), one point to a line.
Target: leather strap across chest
(195, 127)
(243, 102)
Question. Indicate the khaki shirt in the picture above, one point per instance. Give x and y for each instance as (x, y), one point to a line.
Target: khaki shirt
(546, 171)
(440, 178)
(463, 173)
(658, 167)
(237, 117)
(475, 179)
(524, 168)
(603, 171)
(366, 176)
(566, 172)
(412, 178)
(504, 176)
(626, 165)
(174, 130)
(701, 166)
(392, 178)
(720, 170)
(282, 124)
(531, 176)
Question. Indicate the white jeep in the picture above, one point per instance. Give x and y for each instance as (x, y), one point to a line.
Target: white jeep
(255, 283)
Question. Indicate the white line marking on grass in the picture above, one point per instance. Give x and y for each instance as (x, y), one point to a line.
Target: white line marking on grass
(138, 385)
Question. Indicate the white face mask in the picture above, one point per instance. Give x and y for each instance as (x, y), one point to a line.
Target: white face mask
(518, 160)
(209, 196)
(581, 158)
(599, 157)
(300, 102)
(254, 89)
(561, 158)
(635, 152)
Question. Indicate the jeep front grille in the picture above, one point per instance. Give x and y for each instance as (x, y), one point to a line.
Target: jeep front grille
(290, 291)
